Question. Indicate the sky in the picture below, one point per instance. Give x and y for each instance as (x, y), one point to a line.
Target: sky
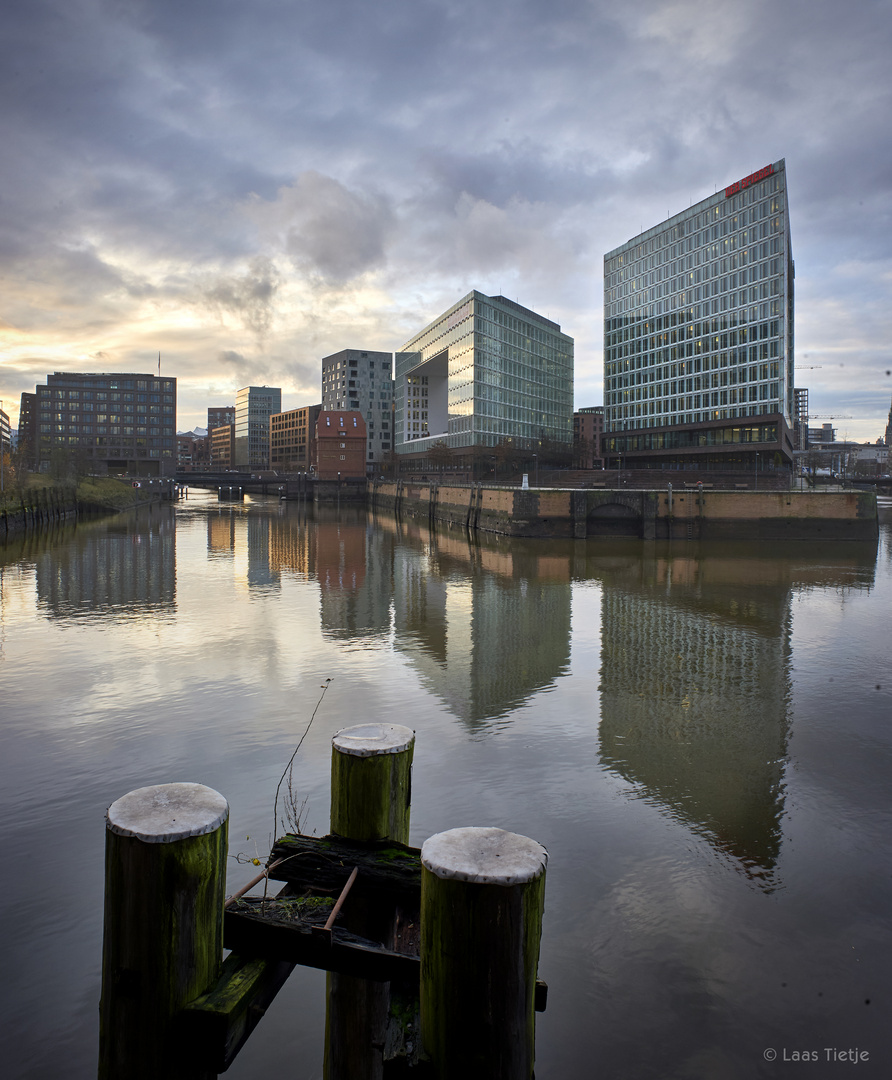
(248, 187)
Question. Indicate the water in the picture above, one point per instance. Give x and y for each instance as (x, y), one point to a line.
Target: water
(700, 735)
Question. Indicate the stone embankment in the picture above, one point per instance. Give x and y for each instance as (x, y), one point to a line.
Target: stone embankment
(692, 513)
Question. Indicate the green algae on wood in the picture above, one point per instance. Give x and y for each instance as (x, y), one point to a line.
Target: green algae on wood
(482, 899)
(371, 780)
(371, 784)
(165, 870)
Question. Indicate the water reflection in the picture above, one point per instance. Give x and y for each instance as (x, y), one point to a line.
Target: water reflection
(696, 681)
(118, 568)
(486, 624)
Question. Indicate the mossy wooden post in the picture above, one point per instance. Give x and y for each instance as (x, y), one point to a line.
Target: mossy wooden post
(371, 769)
(482, 898)
(165, 877)
(371, 785)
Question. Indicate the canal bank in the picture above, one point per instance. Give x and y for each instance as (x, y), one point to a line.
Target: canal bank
(692, 513)
(38, 506)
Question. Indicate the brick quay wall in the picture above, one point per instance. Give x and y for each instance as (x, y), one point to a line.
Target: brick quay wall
(688, 513)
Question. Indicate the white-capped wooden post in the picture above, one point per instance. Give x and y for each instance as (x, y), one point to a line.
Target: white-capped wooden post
(482, 898)
(371, 782)
(165, 878)
(371, 789)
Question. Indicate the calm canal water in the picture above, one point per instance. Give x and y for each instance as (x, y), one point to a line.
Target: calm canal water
(700, 735)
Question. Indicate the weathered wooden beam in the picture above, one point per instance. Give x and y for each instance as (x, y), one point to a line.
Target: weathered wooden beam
(216, 1025)
(256, 935)
(323, 864)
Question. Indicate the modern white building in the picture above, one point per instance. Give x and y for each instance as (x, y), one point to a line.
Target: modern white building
(485, 371)
(698, 334)
(362, 381)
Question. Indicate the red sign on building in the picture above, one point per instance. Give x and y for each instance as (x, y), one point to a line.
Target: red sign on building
(753, 178)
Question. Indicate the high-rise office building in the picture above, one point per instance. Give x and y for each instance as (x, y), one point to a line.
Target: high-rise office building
(110, 422)
(698, 334)
(485, 371)
(254, 405)
(362, 381)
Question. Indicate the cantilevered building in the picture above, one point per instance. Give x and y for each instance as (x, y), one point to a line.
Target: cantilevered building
(698, 334)
(485, 371)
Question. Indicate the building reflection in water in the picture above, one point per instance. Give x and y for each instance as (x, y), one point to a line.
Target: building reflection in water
(696, 678)
(246, 534)
(486, 622)
(123, 567)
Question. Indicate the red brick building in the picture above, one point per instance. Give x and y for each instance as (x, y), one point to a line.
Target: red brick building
(341, 445)
(588, 427)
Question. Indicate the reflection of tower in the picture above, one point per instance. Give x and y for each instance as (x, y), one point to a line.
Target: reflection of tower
(221, 532)
(119, 568)
(259, 570)
(247, 538)
(695, 685)
(487, 625)
(292, 543)
(354, 568)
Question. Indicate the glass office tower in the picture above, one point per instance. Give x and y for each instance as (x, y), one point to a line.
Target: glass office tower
(254, 405)
(698, 334)
(485, 371)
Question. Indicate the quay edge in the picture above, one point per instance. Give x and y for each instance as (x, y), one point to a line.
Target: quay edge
(661, 514)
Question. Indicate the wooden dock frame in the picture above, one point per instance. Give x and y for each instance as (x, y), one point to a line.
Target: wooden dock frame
(375, 976)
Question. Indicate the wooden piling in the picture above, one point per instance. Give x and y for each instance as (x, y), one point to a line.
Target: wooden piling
(165, 873)
(482, 898)
(371, 785)
(371, 768)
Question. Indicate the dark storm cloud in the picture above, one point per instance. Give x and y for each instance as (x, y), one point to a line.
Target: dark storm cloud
(300, 171)
(249, 296)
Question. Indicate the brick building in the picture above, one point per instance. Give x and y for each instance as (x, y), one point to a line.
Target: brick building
(341, 446)
(292, 439)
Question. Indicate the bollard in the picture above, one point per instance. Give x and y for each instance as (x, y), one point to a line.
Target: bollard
(371, 782)
(165, 876)
(371, 768)
(482, 898)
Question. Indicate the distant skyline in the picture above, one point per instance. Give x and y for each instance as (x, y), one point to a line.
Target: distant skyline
(250, 188)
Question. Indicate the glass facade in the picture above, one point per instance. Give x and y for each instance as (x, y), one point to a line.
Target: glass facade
(254, 405)
(698, 316)
(485, 371)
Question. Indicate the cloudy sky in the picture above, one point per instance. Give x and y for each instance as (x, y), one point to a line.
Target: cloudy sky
(249, 186)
